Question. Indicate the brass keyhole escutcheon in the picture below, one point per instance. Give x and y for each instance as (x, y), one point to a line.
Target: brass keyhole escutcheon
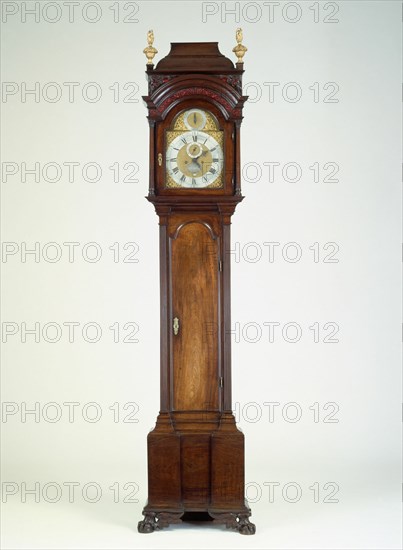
(176, 326)
(159, 159)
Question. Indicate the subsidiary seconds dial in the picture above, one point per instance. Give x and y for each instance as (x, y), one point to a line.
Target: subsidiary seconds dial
(194, 159)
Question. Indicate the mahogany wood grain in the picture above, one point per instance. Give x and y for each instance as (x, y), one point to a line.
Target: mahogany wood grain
(194, 259)
(195, 452)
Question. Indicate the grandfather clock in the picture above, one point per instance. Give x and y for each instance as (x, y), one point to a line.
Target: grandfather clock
(195, 451)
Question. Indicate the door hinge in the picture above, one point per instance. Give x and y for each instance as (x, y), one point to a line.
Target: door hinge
(221, 382)
(219, 265)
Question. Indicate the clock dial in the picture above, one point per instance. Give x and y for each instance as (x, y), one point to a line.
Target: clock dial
(194, 151)
(195, 119)
(194, 159)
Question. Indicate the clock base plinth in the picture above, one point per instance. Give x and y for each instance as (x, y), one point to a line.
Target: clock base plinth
(196, 472)
(155, 519)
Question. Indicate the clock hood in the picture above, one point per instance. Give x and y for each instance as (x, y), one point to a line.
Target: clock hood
(195, 57)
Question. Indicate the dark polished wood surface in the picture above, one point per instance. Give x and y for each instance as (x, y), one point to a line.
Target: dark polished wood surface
(195, 452)
(203, 57)
(194, 266)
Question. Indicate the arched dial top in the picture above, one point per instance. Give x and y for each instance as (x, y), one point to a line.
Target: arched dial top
(194, 151)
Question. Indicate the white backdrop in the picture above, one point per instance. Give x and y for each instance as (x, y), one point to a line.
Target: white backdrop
(316, 320)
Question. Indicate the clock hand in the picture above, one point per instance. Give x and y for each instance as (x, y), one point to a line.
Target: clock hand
(203, 154)
(194, 167)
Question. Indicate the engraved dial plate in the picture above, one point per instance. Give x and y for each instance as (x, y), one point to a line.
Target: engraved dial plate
(194, 156)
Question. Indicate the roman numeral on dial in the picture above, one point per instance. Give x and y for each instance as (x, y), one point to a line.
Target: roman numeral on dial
(193, 148)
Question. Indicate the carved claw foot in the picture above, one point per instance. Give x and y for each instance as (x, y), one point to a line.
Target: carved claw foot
(148, 524)
(246, 527)
(158, 520)
(238, 521)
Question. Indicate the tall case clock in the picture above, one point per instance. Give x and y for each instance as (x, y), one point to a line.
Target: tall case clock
(195, 452)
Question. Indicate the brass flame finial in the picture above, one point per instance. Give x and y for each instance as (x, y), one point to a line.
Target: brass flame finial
(239, 49)
(150, 51)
